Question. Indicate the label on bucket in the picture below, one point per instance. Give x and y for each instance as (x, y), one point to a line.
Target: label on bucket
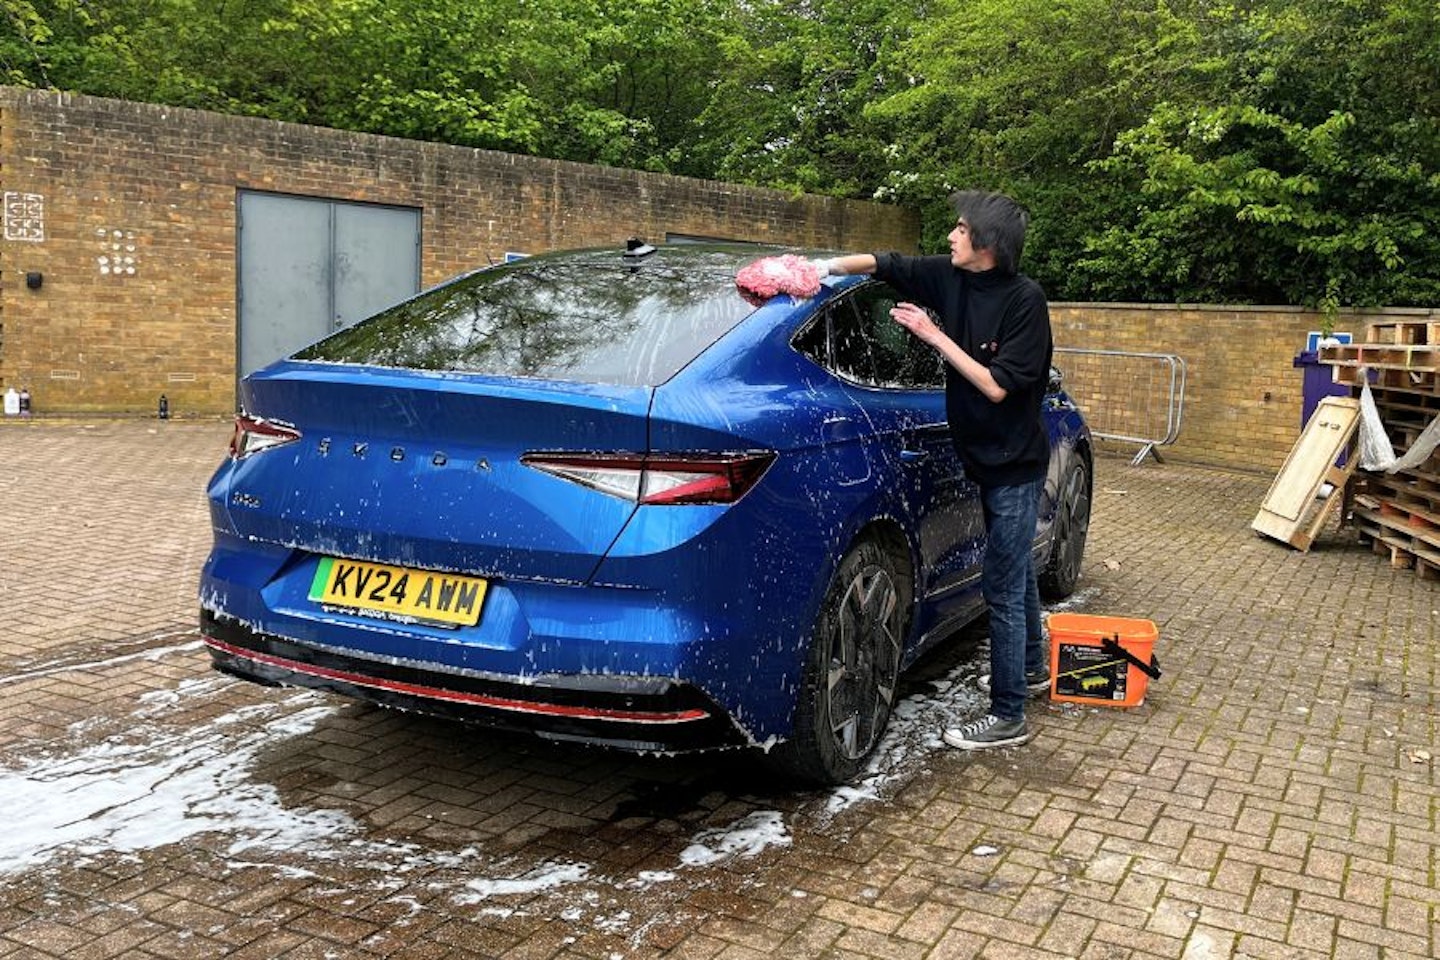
(1085, 670)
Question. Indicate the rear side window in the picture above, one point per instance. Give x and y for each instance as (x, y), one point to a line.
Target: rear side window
(590, 317)
(858, 340)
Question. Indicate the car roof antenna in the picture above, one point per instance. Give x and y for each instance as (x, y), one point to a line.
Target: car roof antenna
(635, 248)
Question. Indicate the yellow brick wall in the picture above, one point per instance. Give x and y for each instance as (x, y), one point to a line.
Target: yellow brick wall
(153, 191)
(159, 186)
(1243, 395)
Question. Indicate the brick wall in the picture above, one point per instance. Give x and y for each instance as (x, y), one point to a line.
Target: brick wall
(128, 211)
(1243, 395)
(152, 190)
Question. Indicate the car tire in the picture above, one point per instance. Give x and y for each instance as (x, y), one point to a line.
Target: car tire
(1067, 533)
(848, 687)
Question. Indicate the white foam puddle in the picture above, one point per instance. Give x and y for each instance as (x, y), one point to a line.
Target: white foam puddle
(1077, 599)
(158, 783)
(750, 835)
(547, 876)
(151, 787)
(916, 724)
(124, 795)
(912, 735)
(152, 654)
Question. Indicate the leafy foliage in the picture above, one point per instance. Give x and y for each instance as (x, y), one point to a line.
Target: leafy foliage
(1196, 150)
(1309, 175)
(788, 106)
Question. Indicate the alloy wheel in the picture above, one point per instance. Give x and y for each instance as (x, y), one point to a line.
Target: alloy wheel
(1072, 526)
(864, 661)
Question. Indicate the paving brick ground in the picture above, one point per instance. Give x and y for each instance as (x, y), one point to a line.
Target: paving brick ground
(1274, 796)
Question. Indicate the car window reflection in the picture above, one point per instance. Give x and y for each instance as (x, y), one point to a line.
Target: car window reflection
(593, 319)
(859, 341)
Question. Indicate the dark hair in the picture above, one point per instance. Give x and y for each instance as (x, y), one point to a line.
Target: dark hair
(996, 223)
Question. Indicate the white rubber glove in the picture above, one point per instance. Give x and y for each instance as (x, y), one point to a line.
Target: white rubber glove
(825, 268)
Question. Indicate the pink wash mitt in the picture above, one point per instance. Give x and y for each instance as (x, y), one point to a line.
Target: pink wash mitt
(770, 276)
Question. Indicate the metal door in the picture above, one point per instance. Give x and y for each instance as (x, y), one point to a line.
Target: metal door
(308, 267)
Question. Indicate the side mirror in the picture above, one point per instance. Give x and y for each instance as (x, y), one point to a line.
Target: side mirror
(1056, 380)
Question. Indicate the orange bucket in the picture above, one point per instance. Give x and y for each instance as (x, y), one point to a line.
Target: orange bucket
(1102, 661)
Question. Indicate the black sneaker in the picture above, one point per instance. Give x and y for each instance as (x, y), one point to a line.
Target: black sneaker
(986, 733)
(1035, 683)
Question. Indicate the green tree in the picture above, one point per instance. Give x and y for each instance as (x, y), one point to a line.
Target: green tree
(210, 54)
(592, 80)
(1222, 150)
(789, 107)
(1309, 173)
(1020, 95)
(24, 36)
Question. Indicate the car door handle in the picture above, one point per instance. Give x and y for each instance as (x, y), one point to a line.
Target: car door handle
(913, 456)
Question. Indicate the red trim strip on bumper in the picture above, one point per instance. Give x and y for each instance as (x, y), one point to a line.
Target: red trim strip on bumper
(452, 696)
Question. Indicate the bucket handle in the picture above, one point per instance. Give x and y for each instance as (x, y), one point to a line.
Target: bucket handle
(1112, 647)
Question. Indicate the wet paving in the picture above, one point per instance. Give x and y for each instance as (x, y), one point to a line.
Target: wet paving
(1274, 796)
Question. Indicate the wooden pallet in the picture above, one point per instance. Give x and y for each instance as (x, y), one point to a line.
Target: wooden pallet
(1393, 533)
(1408, 497)
(1296, 506)
(1405, 416)
(1415, 381)
(1412, 505)
(1405, 405)
(1383, 356)
(1403, 332)
(1409, 367)
(1398, 514)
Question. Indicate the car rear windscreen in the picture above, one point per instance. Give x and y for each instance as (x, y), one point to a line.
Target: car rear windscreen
(592, 317)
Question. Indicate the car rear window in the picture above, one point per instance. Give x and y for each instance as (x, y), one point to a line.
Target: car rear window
(592, 317)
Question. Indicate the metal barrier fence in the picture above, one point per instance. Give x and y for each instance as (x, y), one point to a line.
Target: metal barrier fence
(1131, 397)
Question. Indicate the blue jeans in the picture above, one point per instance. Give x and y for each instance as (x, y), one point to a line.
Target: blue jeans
(1007, 581)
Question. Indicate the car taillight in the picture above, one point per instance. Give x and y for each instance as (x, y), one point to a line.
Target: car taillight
(253, 435)
(659, 478)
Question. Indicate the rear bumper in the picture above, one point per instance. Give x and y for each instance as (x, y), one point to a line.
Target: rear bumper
(632, 713)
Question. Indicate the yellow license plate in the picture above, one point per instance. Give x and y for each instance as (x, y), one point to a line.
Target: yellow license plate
(398, 592)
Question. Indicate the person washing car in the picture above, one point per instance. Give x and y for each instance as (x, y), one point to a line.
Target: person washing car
(994, 334)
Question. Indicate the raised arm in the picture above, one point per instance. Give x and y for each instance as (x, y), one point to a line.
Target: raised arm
(918, 322)
(848, 265)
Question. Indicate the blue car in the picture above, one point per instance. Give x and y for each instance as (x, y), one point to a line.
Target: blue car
(598, 496)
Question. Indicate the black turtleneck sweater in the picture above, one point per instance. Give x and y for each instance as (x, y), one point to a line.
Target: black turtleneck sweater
(1003, 321)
